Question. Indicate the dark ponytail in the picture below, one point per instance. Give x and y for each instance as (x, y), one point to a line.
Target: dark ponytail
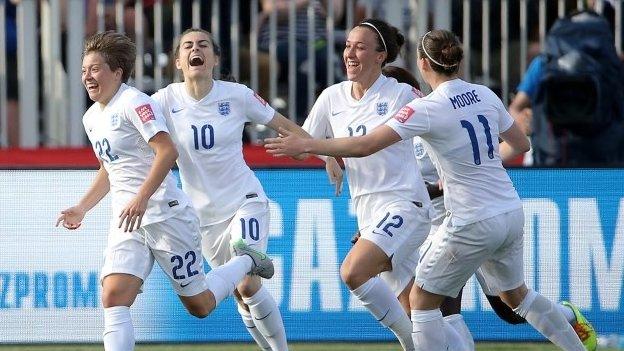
(443, 50)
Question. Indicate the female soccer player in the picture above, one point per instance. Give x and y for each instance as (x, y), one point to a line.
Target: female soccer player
(152, 218)
(206, 118)
(460, 123)
(392, 205)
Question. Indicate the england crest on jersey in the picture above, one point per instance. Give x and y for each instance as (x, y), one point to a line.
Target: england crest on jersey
(419, 150)
(115, 121)
(224, 108)
(382, 108)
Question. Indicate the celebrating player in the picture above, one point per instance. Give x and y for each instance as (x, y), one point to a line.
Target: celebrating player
(152, 218)
(206, 118)
(392, 205)
(461, 123)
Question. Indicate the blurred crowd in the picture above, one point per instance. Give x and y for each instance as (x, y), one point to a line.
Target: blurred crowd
(552, 146)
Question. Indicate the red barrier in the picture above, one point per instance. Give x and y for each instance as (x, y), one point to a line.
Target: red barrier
(255, 156)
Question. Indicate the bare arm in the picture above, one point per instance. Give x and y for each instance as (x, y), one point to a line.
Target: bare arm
(280, 122)
(72, 217)
(166, 155)
(514, 143)
(520, 110)
(361, 146)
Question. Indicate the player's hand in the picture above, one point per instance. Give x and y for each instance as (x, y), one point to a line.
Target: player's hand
(133, 213)
(71, 218)
(334, 172)
(286, 144)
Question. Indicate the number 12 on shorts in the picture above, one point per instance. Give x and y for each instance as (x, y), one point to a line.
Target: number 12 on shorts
(395, 222)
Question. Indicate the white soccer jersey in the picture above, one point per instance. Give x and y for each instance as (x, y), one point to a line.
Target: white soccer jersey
(460, 123)
(337, 114)
(119, 134)
(429, 173)
(208, 134)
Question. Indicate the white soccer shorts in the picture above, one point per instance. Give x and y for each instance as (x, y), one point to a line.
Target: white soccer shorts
(494, 246)
(399, 229)
(174, 243)
(251, 223)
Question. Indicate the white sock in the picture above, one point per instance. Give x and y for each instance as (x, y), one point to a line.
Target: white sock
(432, 332)
(252, 329)
(377, 297)
(267, 318)
(547, 318)
(456, 321)
(118, 329)
(567, 313)
(222, 281)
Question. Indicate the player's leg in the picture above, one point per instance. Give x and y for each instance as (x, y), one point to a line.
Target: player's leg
(248, 321)
(251, 225)
(176, 246)
(504, 272)
(451, 306)
(127, 264)
(378, 250)
(446, 264)
(216, 250)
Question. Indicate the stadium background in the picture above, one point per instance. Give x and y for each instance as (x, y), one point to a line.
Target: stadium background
(49, 291)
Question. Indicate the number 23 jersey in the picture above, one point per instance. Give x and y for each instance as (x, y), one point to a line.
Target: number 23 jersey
(208, 134)
(460, 123)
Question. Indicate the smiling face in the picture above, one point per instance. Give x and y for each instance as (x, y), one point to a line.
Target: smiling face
(196, 57)
(100, 81)
(360, 55)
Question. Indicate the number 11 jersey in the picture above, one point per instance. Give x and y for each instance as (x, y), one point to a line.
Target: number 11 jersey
(460, 123)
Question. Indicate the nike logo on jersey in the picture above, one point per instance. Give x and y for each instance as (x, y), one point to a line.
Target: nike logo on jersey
(184, 285)
(336, 113)
(176, 110)
(375, 232)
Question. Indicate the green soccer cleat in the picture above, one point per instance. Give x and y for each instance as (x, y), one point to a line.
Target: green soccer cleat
(583, 328)
(262, 264)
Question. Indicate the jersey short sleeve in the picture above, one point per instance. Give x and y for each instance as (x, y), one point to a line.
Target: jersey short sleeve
(411, 120)
(256, 109)
(147, 117)
(317, 123)
(505, 121)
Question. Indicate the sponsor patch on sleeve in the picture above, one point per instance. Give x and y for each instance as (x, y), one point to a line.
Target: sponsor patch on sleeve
(264, 103)
(417, 92)
(404, 114)
(145, 113)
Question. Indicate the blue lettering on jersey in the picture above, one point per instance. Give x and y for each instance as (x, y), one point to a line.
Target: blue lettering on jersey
(464, 99)
(224, 108)
(382, 108)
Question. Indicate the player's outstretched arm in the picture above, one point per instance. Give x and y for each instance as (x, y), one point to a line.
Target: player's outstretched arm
(280, 122)
(166, 155)
(71, 218)
(289, 144)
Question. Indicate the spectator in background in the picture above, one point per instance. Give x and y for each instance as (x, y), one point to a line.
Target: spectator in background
(12, 86)
(301, 40)
(560, 136)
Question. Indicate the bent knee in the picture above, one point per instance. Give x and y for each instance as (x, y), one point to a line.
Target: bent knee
(199, 311)
(353, 278)
(116, 297)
